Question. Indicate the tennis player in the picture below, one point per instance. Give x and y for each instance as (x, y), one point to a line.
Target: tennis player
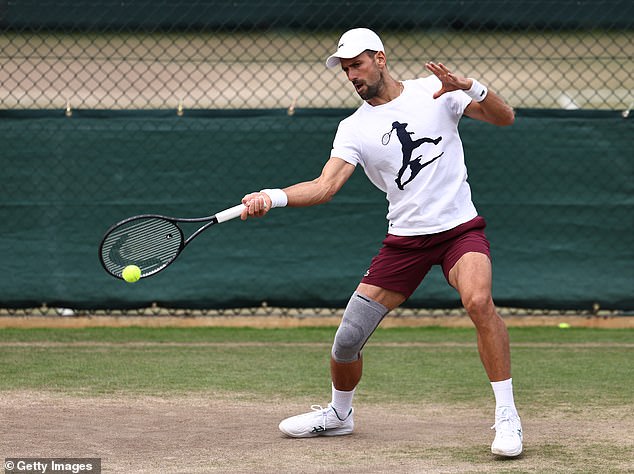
(405, 137)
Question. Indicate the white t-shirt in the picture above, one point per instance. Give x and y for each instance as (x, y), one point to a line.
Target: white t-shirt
(410, 149)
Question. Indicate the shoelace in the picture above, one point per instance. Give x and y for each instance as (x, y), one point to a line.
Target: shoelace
(323, 411)
(499, 422)
(504, 417)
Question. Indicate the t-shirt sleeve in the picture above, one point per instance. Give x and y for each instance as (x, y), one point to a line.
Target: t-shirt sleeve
(345, 145)
(458, 101)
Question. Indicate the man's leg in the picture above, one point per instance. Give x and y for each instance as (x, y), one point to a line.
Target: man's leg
(471, 276)
(346, 375)
(366, 309)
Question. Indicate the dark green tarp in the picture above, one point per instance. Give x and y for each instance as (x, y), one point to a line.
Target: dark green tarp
(556, 189)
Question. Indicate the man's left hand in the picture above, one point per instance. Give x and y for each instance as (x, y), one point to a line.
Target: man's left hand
(450, 81)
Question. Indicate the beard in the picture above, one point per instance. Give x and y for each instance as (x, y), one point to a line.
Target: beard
(369, 91)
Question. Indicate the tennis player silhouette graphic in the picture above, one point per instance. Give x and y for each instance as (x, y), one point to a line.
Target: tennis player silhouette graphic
(407, 147)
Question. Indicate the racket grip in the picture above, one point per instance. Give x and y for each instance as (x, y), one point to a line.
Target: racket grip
(230, 213)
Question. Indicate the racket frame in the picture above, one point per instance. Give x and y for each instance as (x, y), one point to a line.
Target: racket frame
(218, 218)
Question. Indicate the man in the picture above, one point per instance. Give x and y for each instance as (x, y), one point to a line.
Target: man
(432, 220)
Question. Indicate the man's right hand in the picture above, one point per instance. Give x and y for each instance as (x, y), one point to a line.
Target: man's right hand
(257, 205)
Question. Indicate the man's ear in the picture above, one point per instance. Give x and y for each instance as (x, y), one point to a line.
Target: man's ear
(380, 58)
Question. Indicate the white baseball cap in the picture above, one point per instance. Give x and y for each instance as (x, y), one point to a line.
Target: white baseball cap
(354, 42)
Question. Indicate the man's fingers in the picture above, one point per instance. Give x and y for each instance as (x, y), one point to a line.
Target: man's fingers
(256, 205)
(437, 69)
(441, 71)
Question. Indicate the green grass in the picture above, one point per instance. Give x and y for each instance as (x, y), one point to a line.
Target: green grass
(551, 367)
(309, 334)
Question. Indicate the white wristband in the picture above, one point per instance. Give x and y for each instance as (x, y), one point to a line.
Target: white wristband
(278, 197)
(477, 91)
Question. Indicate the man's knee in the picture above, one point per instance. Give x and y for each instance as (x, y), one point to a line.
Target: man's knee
(349, 340)
(360, 319)
(479, 304)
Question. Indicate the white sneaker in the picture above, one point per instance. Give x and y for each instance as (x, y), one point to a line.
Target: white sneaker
(508, 433)
(319, 422)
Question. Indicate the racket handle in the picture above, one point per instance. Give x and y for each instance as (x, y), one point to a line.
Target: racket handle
(230, 213)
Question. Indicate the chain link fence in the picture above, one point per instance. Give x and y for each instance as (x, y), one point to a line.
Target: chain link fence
(255, 54)
(112, 108)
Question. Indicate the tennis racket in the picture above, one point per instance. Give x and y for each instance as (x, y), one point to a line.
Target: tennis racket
(151, 241)
(385, 139)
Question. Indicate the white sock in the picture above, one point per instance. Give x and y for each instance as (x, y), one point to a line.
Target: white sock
(503, 392)
(342, 401)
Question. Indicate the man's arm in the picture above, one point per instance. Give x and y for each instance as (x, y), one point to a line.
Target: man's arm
(309, 193)
(492, 109)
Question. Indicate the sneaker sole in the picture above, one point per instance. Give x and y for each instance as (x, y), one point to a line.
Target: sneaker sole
(511, 454)
(333, 432)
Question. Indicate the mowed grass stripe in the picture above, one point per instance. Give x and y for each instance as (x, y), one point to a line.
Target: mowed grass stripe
(407, 335)
(413, 344)
(546, 372)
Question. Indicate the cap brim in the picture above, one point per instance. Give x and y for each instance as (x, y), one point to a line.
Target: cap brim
(333, 61)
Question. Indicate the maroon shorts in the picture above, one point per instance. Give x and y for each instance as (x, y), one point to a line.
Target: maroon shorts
(403, 262)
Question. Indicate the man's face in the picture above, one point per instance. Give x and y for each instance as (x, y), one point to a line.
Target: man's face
(365, 74)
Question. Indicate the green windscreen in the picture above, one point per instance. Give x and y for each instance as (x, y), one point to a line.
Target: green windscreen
(556, 190)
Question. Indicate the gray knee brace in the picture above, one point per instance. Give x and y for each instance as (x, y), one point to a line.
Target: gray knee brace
(360, 319)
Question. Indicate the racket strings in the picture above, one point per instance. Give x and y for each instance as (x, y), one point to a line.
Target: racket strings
(150, 243)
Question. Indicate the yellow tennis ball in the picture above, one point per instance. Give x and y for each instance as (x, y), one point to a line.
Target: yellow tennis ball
(131, 273)
(564, 326)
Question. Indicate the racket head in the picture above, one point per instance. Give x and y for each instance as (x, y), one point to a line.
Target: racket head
(385, 139)
(150, 242)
